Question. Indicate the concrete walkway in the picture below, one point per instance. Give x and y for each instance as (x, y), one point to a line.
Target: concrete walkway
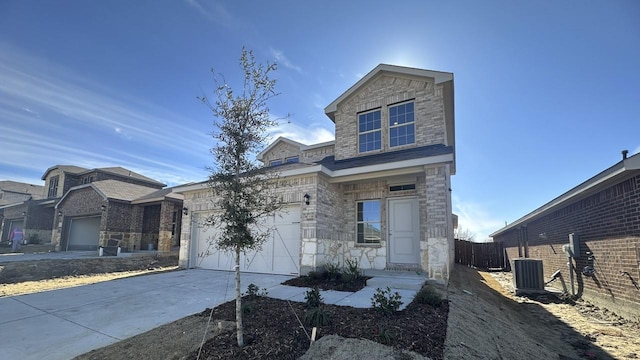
(65, 323)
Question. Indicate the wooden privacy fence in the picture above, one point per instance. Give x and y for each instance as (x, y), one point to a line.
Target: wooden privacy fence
(480, 255)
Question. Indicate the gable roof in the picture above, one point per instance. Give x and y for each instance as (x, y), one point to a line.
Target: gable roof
(22, 188)
(438, 76)
(71, 169)
(299, 145)
(159, 195)
(118, 170)
(279, 140)
(118, 190)
(619, 171)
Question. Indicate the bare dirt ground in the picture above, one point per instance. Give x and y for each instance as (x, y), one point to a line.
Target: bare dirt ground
(485, 321)
(25, 277)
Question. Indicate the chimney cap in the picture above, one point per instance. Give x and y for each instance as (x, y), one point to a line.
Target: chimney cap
(624, 154)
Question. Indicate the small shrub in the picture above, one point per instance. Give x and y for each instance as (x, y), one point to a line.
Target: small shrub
(316, 275)
(386, 302)
(352, 269)
(332, 271)
(428, 295)
(248, 307)
(317, 317)
(34, 239)
(384, 335)
(313, 298)
(253, 290)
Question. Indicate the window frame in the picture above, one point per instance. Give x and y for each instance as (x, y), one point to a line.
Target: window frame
(275, 162)
(405, 124)
(53, 186)
(364, 222)
(372, 131)
(292, 159)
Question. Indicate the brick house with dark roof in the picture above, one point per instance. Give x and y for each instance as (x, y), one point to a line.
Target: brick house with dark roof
(378, 194)
(603, 214)
(83, 208)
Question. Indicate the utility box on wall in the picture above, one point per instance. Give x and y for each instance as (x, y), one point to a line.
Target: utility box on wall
(574, 245)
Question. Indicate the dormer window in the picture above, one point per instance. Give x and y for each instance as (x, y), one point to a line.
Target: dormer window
(292, 160)
(275, 162)
(369, 131)
(53, 187)
(401, 125)
(87, 180)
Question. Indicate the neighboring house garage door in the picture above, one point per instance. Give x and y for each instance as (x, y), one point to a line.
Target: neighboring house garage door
(280, 254)
(84, 233)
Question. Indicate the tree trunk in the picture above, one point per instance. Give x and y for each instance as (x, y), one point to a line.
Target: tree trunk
(239, 328)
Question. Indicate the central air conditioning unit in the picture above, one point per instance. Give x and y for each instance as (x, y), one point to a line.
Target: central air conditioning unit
(528, 276)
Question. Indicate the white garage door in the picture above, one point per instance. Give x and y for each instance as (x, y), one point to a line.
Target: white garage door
(280, 254)
(84, 233)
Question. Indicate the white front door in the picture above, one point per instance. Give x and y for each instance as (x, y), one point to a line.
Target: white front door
(404, 231)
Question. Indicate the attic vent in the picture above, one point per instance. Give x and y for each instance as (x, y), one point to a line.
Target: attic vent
(528, 276)
(402, 187)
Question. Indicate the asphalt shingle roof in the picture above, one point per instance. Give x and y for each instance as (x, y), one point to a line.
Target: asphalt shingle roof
(128, 173)
(392, 156)
(119, 190)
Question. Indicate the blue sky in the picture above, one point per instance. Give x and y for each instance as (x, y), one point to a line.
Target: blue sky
(547, 93)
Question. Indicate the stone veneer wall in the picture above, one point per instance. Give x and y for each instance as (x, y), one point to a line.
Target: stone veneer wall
(385, 90)
(436, 241)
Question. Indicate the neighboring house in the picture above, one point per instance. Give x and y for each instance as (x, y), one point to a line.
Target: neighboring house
(603, 214)
(15, 194)
(378, 194)
(83, 208)
(138, 217)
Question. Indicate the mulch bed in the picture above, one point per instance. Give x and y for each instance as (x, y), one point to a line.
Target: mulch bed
(272, 331)
(324, 283)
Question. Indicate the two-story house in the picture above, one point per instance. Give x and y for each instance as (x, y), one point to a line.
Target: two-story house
(84, 208)
(378, 194)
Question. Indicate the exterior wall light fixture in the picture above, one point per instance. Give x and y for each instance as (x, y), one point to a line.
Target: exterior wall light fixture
(306, 198)
(103, 207)
(185, 210)
(24, 213)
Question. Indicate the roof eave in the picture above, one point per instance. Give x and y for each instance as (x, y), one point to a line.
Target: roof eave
(438, 76)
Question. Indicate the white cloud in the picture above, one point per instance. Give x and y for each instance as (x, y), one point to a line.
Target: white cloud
(281, 59)
(307, 135)
(50, 116)
(475, 218)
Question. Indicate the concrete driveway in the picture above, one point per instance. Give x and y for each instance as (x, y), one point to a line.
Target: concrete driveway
(65, 323)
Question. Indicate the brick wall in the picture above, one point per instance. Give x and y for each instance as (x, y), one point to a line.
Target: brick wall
(281, 151)
(607, 224)
(317, 154)
(381, 92)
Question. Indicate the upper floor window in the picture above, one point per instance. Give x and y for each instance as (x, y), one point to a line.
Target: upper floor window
(369, 131)
(53, 187)
(87, 180)
(368, 222)
(275, 162)
(292, 159)
(401, 124)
